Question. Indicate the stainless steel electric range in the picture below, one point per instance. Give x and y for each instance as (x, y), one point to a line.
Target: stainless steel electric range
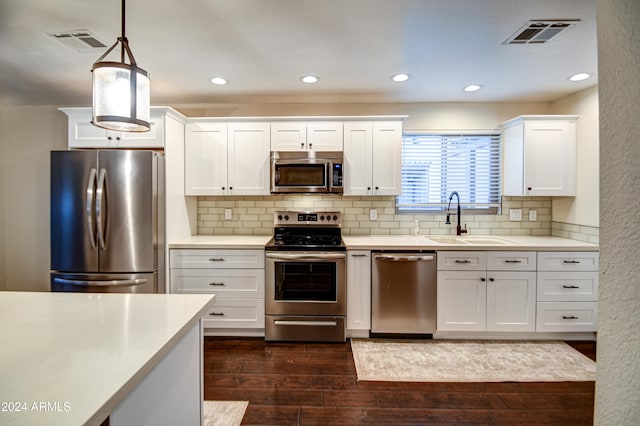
(306, 296)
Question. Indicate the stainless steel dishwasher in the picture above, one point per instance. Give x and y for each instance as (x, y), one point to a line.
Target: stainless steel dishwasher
(403, 299)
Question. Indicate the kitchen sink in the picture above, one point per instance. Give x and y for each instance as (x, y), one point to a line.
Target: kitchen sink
(468, 240)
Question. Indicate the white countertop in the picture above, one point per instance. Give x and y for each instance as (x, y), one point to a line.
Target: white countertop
(71, 358)
(222, 241)
(396, 242)
(512, 242)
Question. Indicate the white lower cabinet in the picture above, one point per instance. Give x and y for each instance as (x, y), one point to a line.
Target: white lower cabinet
(567, 292)
(358, 292)
(472, 297)
(235, 276)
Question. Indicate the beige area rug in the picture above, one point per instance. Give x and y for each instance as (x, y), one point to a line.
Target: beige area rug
(469, 361)
(224, 413)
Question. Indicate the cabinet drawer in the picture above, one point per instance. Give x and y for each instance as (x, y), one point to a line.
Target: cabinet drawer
(511, 260)
(243, 283)
(567, 316)
(462, 260)
(568, 286)
(216, 259)
(235, 313)
(568, 261)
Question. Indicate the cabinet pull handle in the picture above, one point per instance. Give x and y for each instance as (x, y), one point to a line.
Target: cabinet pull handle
(217, 284)
(570, 286)
(463, 261)
(569, 317)
(216, 314)
(512, 261)
(216, 259)
(358, 255)
(571, 261)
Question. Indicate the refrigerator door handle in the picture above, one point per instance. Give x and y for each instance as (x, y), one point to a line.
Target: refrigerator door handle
(88, 208)
(108, 283)
(100, 208)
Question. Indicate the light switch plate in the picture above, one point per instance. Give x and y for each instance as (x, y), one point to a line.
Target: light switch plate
(533, 215)
(373, 214)
(515, 214)
(228, 214)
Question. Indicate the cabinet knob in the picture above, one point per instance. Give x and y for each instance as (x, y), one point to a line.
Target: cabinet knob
(491, 279)
(483, 279)
(230, 188)
(109, 138)
(302, 145)
(117, 138)
(368, 188)
(528, 188)
(223, 188)
(377, 188)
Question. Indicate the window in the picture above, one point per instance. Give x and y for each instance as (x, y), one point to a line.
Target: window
(434, 165)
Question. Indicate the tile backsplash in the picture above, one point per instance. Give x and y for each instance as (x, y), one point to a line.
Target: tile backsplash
(254, 216)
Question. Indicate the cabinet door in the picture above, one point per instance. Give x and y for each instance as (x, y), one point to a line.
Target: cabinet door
(205, 159)
(462, 300)
(248, 160)
(288, 136)
(550, 158)
(358, 157)
(83, 134)
(359, 290)
(387, 158)
(324, 136)
(511, 301)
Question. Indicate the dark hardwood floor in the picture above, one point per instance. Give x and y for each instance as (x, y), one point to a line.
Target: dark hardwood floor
(316, 384)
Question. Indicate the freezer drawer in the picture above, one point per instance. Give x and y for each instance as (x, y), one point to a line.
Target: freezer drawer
(403, 299)
(105, 283)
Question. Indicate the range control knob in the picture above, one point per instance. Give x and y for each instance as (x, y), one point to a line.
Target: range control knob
(322, 217)
(279, 217)
(335, 217)
(286, 217)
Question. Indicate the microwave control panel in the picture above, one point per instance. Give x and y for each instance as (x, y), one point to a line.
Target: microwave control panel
(336, 175)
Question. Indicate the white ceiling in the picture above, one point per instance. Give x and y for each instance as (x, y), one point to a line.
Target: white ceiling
(263, 46)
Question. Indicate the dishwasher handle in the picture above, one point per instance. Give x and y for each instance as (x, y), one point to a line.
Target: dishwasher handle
(403, 257)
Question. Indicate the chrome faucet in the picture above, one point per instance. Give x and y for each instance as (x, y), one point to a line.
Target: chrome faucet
(459, 230)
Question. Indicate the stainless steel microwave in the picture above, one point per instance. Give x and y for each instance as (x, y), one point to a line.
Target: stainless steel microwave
(306, 172)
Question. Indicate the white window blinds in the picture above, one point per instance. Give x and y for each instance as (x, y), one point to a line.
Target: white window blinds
(434, 165)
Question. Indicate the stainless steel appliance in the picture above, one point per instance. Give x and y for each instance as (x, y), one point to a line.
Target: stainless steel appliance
(307, 171)
(107, 229)
(403, 299)
(306, 295)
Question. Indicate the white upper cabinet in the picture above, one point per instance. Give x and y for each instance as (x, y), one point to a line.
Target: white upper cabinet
(306, 136)
(373, 157)
(205, 158)
(83, 134)
(227, 158)
(539, 156)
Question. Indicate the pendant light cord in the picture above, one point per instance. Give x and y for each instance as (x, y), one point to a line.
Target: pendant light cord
(124, 37)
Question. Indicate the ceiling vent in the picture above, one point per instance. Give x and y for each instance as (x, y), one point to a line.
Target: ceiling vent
(79, 40)
(540, 31)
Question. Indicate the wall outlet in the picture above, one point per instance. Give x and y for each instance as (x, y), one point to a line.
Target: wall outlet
(373, 214)
(228, 214)
(515, 214)
(533, 215)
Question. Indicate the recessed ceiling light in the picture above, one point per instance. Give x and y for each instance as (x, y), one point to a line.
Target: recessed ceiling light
(580, 76)
(309, 79)
(473, 88)
(400, 77)
(218, 80)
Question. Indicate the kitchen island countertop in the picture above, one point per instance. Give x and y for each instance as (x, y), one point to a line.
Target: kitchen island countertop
(72, 358)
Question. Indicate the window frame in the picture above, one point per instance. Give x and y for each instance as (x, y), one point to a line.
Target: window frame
(441, 207)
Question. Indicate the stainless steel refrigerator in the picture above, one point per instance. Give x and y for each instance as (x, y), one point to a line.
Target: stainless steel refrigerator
(107, 221)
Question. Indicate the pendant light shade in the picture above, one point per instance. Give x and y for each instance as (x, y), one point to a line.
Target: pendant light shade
(121, 91)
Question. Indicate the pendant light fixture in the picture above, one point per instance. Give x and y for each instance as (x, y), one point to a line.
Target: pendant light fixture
(121, 90)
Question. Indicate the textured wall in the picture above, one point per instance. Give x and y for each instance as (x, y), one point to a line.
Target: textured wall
(254, 216)
(618, 375)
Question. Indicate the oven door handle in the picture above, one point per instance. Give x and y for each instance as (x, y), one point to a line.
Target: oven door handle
(310, 256)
